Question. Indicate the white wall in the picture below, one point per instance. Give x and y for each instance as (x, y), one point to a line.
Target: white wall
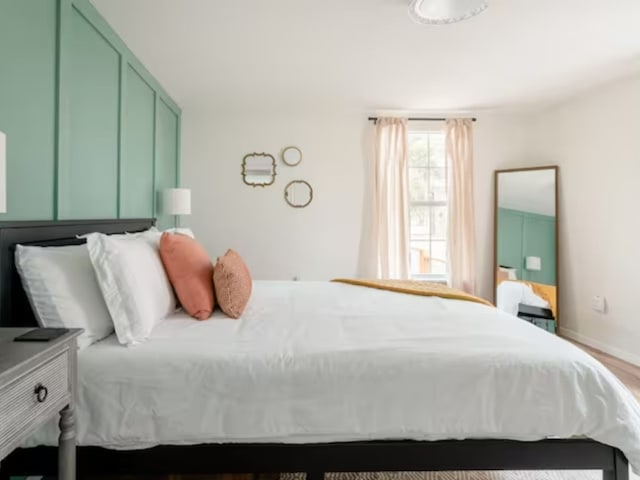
(320, 241)
(323, 240)
(596, 141)
(500, 142)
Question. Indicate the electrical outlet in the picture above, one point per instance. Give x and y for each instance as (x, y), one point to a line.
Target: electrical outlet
(599, 303)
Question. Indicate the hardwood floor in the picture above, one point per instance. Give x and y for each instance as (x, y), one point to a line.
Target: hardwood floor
(627, 373)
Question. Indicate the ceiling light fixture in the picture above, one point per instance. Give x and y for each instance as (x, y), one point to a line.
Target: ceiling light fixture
(444, 12)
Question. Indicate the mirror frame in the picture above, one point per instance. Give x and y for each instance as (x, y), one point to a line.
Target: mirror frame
(496, 175)
(244, 169)
(286, 194)
(285, 151)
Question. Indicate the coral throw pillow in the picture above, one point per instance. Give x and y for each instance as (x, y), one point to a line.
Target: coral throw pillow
(233, 283)
(189, 269)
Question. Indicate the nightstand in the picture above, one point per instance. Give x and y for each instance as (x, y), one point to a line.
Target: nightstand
(38, 383)
(539, 316)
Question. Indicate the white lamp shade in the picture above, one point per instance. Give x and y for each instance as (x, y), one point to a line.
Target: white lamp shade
(176, 201)
(3, 173)
(533, 263)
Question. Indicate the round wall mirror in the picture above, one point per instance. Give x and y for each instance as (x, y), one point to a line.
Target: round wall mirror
(292, 156)
(298, 193)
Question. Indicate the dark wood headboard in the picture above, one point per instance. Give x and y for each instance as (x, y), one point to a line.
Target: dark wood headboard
(15, 310)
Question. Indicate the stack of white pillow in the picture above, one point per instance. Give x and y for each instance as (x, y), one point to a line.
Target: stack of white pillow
(113, 282)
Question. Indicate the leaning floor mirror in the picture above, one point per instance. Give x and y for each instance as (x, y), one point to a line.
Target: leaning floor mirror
(526, 244)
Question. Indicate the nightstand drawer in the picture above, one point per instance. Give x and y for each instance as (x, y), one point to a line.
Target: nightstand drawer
(24, 401)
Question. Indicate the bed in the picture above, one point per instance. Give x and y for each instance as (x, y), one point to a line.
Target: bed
(305, 381)
(511, 293)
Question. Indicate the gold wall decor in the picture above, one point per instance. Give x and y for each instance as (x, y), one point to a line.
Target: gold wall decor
(258, 169)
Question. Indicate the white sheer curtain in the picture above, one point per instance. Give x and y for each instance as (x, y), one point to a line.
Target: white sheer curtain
(390, 230)
(461, 233)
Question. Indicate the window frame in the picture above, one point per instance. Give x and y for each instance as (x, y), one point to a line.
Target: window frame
(417, 129)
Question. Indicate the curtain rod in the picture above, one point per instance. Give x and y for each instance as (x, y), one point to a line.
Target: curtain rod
(420, 119)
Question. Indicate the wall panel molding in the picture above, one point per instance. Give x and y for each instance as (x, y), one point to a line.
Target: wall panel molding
(138, 157)
(70, 129)
(166, 150)
(122, 101)
(64, 8)
(154, 196)
(88, 174)
(28, 105)
(90, 12)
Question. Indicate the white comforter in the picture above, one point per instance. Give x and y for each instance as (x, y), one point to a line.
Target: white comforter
(322, 362)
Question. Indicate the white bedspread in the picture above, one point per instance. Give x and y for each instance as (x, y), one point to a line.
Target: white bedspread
(321, 362)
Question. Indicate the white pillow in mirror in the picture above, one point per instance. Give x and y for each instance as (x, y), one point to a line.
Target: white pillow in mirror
(63, 290)
(509, 296)
(133, 282)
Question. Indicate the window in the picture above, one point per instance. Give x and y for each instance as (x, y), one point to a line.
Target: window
(428, 190)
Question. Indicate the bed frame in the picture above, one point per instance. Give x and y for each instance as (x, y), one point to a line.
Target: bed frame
(313, 459)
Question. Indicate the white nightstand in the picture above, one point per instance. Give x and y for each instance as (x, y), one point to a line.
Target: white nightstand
(38, 382)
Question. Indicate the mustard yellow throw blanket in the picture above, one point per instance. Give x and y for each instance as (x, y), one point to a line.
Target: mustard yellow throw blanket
(415, 287)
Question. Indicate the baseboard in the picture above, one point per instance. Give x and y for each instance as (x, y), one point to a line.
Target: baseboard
(598, 345)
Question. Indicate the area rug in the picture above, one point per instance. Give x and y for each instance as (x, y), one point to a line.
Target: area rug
(514, 475)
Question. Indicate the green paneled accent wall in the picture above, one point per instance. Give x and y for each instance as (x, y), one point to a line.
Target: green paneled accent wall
(88, 175)
(524, 234)
(136, 175)
(539, 240)
(90, 133)
(27, 105)
(510, 240)
(167, 146)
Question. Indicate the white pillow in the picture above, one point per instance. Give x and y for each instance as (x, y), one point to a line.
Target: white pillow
(125, 234)
(63, 291)
(181, 230)
(134, 284)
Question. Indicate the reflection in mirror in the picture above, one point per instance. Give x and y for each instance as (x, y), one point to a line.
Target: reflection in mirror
(292, 156)
(258, 169)
(298, 193)
(526, 245)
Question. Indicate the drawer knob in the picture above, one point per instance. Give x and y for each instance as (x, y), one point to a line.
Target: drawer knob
(41, 393)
